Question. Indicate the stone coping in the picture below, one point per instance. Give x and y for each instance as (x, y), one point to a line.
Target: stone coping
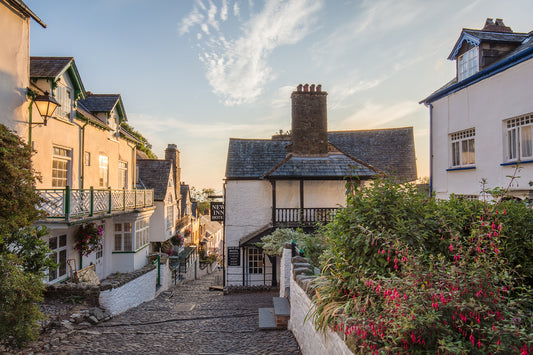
(120, 279)
(304, 273)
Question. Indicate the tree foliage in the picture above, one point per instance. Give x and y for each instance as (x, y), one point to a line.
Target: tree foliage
(202, 197)
(143, 145)
(23, 253)
(408, 273)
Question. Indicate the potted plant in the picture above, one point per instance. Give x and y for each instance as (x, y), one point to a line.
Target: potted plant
(88, 238)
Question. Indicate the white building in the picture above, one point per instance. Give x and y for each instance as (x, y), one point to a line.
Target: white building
(481, 121)
(298, 180)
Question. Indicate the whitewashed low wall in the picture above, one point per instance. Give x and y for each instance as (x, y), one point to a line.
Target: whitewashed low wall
(132, 294)
(285, 273)
(311, 342)
(166, 280)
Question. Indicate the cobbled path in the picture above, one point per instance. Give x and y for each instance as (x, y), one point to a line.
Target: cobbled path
(187, 319)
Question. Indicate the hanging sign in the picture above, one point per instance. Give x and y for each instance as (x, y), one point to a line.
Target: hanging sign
(217, 211)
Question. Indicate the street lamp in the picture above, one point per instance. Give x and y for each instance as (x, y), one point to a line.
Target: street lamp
(46, 105)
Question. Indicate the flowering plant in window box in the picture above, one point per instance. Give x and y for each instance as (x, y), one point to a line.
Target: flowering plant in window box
(177, 240)
(187, 232)
(88, 238)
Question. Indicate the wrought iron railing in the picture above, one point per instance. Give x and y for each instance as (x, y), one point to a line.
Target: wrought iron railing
(70, 203)
(303, 217)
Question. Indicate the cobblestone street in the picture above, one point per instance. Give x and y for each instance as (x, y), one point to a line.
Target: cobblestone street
(188, 319)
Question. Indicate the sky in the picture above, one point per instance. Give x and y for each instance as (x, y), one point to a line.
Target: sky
(196, 72)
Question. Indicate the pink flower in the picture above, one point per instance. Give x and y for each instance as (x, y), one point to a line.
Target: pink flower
(451, 247)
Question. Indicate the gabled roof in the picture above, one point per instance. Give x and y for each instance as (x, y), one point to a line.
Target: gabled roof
(97, 103)
(24, 9)
(368, 151)
(520, 54)
(185, 196)
(53, 67)
(155, 174)
(475, 37)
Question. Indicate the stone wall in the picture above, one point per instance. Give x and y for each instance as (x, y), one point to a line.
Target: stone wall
(73, 292)
(122, 296)
(311, 342)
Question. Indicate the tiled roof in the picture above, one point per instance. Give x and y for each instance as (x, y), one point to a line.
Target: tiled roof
(331, 166)
(389, 150)
(155, 174)
(101, 102)
(48, 67)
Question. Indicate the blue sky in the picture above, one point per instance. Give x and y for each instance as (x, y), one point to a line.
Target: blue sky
(195, 73)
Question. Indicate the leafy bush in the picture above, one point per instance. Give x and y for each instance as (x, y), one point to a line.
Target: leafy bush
(412, 274)
(20, 293)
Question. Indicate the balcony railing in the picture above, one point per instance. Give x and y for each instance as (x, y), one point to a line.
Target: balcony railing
(70, 203)
(303, 217)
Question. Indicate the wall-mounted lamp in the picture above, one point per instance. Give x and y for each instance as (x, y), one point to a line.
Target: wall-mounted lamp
(46, 105)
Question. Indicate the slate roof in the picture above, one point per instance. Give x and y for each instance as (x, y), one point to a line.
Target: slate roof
(184, 191)
(48, 67)
(155, 174)
(101, 102)
(387, 150)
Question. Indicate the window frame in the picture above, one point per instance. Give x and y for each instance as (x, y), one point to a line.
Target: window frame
(141, 233)
(170, 217)
(61, 155)
(122, 174)
(123, 234)
(65, 99)
(514, 138)
(103, 171)
(255, 261)
(459, 158)
(60, 272)
(468, 63)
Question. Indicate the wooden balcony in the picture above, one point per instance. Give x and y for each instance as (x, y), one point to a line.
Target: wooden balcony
(303, 217)
(68, 204)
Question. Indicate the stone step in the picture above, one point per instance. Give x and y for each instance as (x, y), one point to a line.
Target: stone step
(281, 307)
(267, 320)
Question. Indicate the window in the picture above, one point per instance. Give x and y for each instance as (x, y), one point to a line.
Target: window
(170, 217)
(87, 159)
(60, 166)
(141, 233)
(103, 162)
(255, 261)
(122, 174)
(58, 246)
(468, 64)
(519, 138)
(64, 97)
(463, 148)
(123, 237)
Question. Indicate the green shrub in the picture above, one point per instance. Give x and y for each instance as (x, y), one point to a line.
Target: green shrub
(406, 273)
(20, 293)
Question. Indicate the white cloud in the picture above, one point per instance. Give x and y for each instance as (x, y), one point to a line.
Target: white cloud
(224, 10)
(376, 116)
(211, 15)
(193, 19)
(236, 10)
(237, 69)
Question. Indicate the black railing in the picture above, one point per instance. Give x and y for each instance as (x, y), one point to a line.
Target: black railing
(303, 217)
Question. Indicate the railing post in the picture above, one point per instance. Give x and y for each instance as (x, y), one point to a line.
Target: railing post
(124, 198)
(91, 189)
(144, 196)
(110, 200)
(135, 198)
(67, 202)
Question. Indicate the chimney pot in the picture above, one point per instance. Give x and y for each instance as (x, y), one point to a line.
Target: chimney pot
(299, 88)
(319, 88)
(312, 87)
(306, 88)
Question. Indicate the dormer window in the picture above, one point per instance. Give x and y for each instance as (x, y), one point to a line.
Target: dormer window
(468, 63)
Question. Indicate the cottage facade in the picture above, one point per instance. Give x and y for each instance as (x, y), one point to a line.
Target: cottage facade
(299, 180)
(87, 164)
(481, 121)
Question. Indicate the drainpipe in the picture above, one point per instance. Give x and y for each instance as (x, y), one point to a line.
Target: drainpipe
(430, 148)
(224, 240)
(82, 151)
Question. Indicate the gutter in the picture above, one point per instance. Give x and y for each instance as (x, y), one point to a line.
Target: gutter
(27, 11)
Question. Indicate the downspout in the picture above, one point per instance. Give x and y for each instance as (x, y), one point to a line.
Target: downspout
(224, 240)
(430, 106)
(82, 151)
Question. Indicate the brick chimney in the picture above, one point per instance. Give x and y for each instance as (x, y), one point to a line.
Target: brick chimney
(496, 26)
(173, 154)
(309, 121)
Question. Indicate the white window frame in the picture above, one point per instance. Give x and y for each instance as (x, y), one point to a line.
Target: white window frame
(519, 138)
(462, 148)
(170, 217)
(468, 63)
(58, 246)
(122, 234)
(61, 166)
(122, 174)
(141, 233)
(103, 171)
(64, 97)
(255, 261)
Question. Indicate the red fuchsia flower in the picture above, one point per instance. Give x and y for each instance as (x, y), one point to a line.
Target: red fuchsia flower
(451, 247)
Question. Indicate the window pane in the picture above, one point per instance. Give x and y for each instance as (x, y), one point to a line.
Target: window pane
(62, 240)
(52, 243)
(62, 262)
(118, 242)
(526, 141)
(118, 227)
(127, 242)
(512, 143)
(127, 227)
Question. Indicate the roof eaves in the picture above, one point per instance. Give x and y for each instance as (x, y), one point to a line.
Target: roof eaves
(465, 36)
(494, 69)
(22, 7)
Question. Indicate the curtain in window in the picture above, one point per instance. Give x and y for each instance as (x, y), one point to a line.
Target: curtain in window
(526, 142)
